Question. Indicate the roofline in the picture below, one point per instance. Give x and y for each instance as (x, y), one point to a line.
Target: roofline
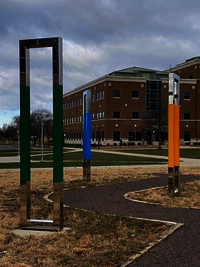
(183, 65)
(105, 78)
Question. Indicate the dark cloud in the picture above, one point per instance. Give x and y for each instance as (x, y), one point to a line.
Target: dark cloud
(99, 36)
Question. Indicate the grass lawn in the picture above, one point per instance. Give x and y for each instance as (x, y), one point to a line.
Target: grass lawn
(189, 196)
(101, 159)
(94, 240)
(35, 151)
(74, 159)
(193, 153)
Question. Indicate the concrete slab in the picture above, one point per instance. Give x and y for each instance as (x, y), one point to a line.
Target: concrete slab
(38, 231)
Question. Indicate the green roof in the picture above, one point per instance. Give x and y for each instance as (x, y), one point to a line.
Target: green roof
(140, 72)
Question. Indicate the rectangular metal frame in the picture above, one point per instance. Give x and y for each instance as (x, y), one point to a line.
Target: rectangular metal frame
(173, 134)
(86, 134)
(24, 62)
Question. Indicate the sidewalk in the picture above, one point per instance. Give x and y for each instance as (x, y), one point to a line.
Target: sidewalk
(179, 249)
(183, 161)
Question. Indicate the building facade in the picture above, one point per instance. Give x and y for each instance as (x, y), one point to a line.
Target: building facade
(130, 106)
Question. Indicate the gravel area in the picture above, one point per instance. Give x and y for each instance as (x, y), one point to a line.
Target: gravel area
(180, 249)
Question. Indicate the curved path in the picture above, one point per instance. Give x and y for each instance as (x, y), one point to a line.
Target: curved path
(180, 249)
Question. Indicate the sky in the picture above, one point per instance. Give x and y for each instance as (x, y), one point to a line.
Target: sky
(99, 36)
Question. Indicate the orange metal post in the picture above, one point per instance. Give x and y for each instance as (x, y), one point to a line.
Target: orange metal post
(176, 149)
(171, 124)
(171, 148)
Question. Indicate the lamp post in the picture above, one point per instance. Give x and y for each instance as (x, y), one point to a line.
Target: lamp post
(42, 138)
(18, 141)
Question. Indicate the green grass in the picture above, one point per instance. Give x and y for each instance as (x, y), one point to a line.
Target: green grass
(101, 159)
(14, 152)
(74, 159)
(193, 153)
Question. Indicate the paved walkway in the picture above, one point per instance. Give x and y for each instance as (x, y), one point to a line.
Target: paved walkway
(180, 249)
(183, 161)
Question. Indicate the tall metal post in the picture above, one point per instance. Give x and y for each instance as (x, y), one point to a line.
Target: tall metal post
(86, 134)
(42, 138)
(173, 134)
(24, 51)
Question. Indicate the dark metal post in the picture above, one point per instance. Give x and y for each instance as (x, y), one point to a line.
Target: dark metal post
(24, 46)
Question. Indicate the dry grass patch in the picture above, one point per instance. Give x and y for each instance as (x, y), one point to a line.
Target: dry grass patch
(94, 239)
(189, 196)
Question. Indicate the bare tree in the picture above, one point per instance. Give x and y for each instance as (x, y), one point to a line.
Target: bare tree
(37, 117)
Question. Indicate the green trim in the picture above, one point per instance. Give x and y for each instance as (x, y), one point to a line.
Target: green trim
(57, 133)
(24, 133)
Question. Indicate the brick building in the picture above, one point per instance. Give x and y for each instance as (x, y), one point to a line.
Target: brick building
(131, 105)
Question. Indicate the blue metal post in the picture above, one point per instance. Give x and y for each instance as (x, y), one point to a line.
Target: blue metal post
(86, 134)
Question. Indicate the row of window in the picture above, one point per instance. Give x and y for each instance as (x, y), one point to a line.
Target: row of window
(190, 76)
(117, 115)
(98, 116)
(99, 96)
(72, 103)
(133, 136)
(78, 136)
(72, 120)
(117, 93)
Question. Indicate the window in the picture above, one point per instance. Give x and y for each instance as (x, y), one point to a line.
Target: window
(116, 114)
(93, 116)
(153, 98)
(135, 94)
(116, 135)
(184, 77)
(186, 136)
(97, 116)
(92, 136)
(186, 116)
(103, 95)
(93, 97)
(77, 102)
(138, 136)
(80, 101)
(100, 95)
(98, 135)
(186, 95)
(97, 96)
(103, 115)
(190, 76)
(135, 115)
(116, 93)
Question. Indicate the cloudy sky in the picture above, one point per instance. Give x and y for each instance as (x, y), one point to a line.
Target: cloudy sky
(99, 36)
